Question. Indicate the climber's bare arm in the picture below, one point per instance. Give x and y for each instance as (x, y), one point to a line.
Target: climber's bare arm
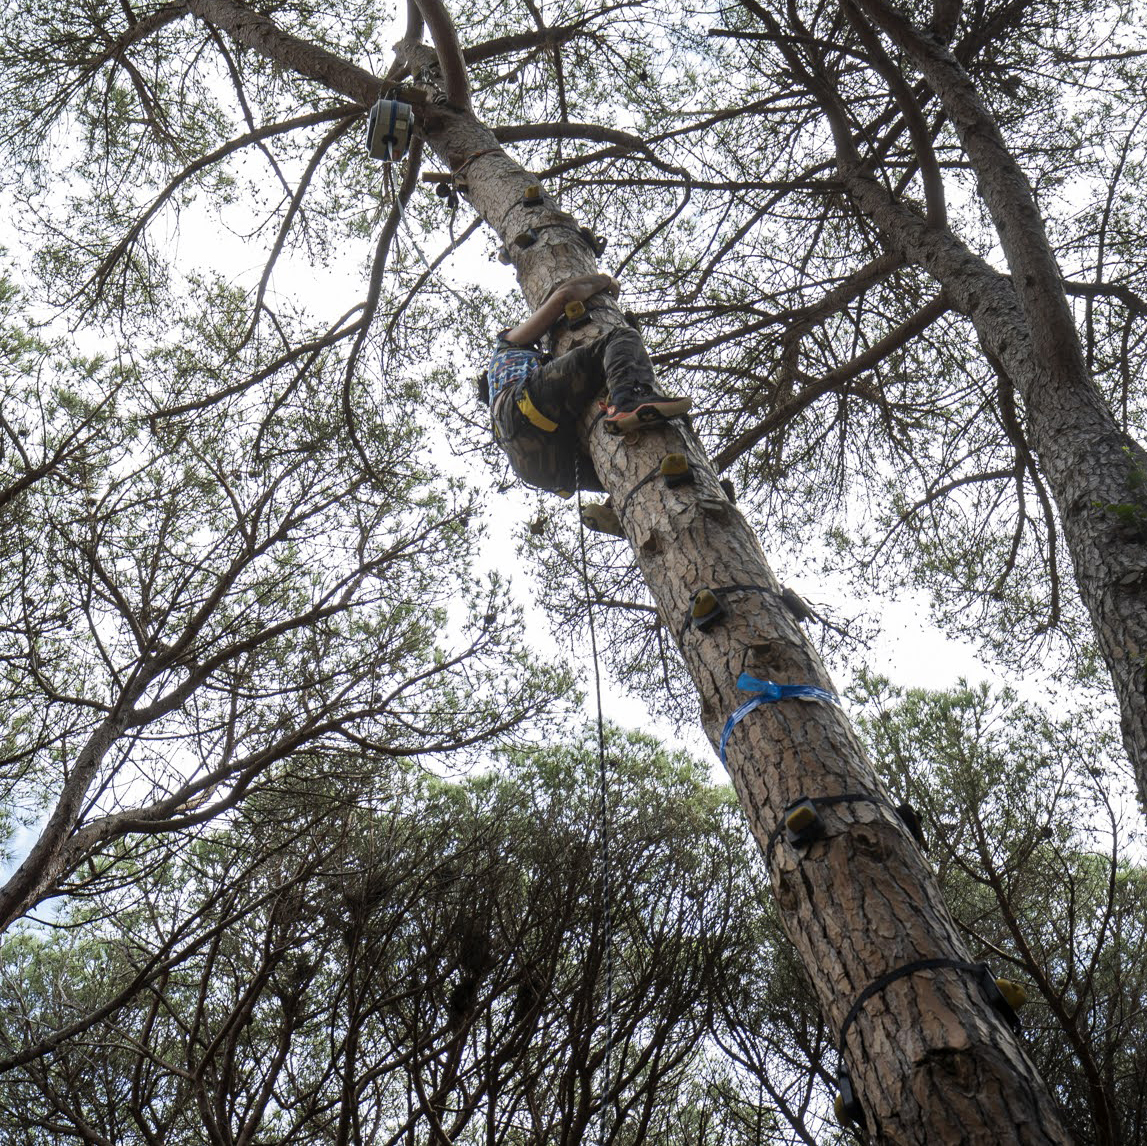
(579, 289)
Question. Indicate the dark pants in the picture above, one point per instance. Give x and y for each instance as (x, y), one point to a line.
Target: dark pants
(564, 386)
(560, 390)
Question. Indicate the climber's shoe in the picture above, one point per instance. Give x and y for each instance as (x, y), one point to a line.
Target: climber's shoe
(638, 406)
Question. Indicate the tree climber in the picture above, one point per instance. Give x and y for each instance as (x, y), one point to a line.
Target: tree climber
(536, 401)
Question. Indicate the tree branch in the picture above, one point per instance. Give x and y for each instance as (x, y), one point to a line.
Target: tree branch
(265, 37)
(445, 38)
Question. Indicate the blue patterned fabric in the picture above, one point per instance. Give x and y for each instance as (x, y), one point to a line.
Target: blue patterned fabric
(510, 366)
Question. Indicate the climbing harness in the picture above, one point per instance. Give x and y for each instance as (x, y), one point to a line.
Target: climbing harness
(533, 415)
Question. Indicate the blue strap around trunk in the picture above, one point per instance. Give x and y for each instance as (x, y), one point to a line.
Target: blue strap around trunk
(767, 692)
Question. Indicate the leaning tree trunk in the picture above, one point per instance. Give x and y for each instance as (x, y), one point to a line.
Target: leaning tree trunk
(1096, 472)
(928, 1053)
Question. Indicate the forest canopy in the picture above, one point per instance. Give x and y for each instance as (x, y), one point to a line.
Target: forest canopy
(260, 671)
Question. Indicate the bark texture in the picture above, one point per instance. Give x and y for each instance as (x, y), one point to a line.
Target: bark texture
(264, 36)
(929, 1055)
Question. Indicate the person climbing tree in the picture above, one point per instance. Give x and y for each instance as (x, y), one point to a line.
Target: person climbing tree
(536, 401)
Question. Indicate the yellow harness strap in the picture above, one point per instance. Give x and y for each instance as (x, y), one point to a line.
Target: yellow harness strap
(536, 417)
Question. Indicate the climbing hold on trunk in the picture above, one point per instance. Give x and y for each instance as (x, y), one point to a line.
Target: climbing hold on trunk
(706, 609)
(675, 469)
(576, 314)
(803, 822)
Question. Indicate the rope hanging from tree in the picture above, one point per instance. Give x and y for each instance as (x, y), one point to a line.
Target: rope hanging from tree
(603, 822)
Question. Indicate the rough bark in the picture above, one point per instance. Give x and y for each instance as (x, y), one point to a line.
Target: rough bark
(930, 1056)
(306, 59)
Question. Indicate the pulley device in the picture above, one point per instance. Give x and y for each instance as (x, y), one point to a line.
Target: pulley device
(388, 129)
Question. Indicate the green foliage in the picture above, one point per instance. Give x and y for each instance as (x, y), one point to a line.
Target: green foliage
(201, 578)
(1035, 840)
(236, 595)
(724, 220)
(348, 922)
(346, 939)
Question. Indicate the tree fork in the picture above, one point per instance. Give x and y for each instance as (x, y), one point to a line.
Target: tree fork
(929, 1054)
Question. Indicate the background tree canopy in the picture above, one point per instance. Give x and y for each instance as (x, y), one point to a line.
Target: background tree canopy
(239, 596)
(403, 957)
(838, 383)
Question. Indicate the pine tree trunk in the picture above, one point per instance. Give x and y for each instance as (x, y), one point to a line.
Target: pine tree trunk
(1097, 473)
(929, 1055)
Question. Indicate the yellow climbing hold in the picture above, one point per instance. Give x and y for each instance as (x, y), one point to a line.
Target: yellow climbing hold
(802, 817)
(704, 603)
(838, 1109)
(1015, 994)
